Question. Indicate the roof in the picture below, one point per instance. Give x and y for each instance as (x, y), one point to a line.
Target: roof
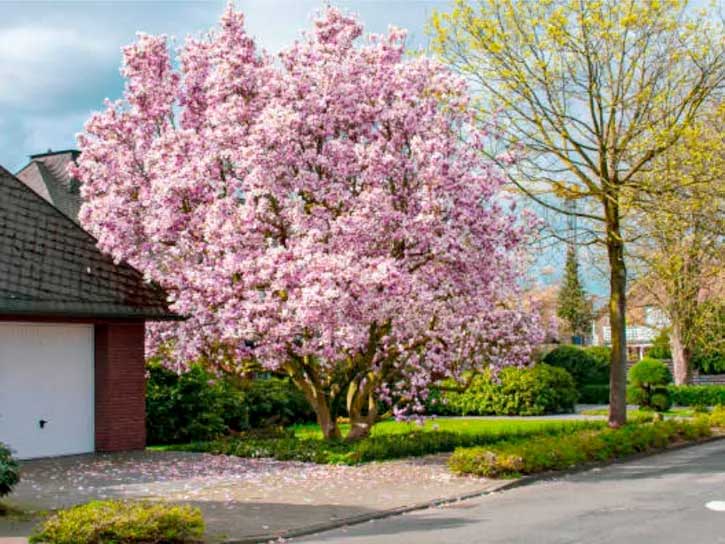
(50, 266)
(47, 174)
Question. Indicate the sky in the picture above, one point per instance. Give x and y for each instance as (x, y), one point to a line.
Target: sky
(60, 59)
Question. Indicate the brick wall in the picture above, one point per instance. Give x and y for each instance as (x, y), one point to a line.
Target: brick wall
(120, 387)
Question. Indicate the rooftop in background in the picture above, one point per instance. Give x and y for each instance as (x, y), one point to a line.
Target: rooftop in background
(50, 266)
(47, 175)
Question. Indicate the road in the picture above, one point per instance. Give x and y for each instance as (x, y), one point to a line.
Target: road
(657, 500)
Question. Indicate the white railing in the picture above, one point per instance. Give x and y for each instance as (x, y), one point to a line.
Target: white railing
(635, 335)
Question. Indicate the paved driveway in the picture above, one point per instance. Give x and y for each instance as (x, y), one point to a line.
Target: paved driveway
(657, 500)
(239, 497)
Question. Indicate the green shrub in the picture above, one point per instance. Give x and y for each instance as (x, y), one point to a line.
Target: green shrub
(276, 401)
(594, 394)
(197, 406)
(708, 355)
(693, 395)
(381, 447)
(9, 471)
(538, 390)
(190, 406)
(602, 355)
(717, 416)
(660, 346)
(648, 381)
(586, 368)
(121, 522)
(709, 363)
(542, 453)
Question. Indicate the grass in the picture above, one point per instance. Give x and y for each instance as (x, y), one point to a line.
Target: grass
(460, 425)
(679, 412)
(389, 440)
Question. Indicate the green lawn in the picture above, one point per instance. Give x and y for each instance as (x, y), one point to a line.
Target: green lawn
(458, 425)
(389, 440)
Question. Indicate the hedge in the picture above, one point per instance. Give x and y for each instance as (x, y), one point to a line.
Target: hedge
(542, 453)
(681, 395)
(697, 395)
(538, 390)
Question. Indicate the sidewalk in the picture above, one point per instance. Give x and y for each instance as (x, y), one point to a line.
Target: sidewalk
(240, 498)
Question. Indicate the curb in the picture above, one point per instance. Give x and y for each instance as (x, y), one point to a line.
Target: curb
(493, 488)
(362, 518)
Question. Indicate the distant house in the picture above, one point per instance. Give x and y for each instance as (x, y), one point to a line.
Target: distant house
(47, 175)
(645, 320)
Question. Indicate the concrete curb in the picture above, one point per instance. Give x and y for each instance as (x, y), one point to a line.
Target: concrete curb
(493, 488)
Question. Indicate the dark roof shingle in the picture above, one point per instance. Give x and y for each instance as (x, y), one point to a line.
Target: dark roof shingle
(47, 174)
(50, 266)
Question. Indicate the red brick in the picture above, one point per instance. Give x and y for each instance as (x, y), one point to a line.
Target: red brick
(120, 387)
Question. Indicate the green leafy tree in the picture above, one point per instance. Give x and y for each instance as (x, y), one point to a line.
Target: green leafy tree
(592, 91)
(679, 239)
(573, 306)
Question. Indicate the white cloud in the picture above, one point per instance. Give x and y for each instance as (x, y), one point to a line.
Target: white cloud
(40, 65)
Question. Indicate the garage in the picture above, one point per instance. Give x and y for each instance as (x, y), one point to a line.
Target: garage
(72, 326)
(55, 362)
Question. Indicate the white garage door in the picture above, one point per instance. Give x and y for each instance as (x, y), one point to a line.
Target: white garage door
(46, 389)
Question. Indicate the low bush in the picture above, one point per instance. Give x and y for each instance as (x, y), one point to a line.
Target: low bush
(197, 406)
(543, 453)
(587, 366)
(190, 406)
(648, 381)
(694, 395)
(275, 401)
(9, 471)
(594, 394)
(538, 390)
(393, 445)
(717, 416)
(106, 522)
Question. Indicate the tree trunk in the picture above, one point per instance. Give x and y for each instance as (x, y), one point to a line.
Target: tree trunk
(361, 425)
(320, 403)
(359, 397)
(325, 419)
(617, 314)
(680, 357)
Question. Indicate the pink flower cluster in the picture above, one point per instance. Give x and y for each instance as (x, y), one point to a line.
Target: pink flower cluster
(329, 202)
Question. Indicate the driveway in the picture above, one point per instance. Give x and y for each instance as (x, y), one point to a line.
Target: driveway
(673, 497)
(239, 497)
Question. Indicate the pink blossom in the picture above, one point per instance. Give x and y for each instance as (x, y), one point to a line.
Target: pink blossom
(330, 203)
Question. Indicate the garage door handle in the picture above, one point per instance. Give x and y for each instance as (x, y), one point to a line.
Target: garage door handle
(42, 423)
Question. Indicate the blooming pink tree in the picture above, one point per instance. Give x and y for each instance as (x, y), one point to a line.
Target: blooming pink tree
(327, 214)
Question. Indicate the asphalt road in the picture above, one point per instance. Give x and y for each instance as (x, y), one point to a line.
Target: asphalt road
(660, 499)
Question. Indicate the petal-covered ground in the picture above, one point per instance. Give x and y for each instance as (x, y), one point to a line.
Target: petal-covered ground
(239, 497)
